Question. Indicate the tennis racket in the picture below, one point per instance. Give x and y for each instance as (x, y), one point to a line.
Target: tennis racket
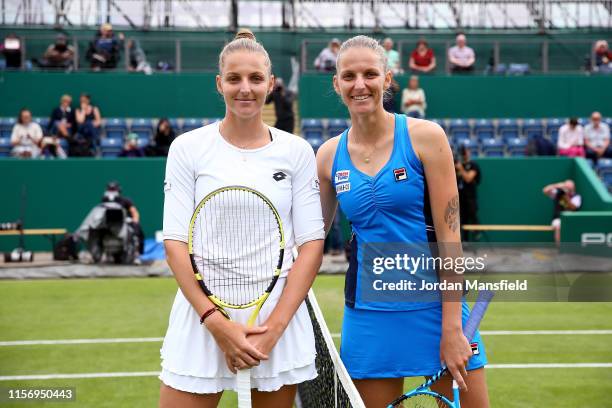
(422, 396)
(236, 245)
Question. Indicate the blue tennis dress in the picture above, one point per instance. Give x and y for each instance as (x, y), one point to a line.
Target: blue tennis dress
(395, 337)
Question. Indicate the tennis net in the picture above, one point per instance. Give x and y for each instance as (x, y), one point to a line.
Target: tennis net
(333, 387)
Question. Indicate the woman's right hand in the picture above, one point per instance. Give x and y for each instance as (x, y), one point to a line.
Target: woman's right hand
(231, 337)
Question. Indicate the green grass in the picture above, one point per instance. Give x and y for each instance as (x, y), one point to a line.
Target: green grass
(109, 308)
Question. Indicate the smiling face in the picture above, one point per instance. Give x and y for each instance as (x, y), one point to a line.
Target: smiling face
(244, 83)
(361, 80)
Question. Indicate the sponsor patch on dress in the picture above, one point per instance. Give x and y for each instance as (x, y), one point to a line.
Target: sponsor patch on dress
(342, 175)
(400, 174)
(343, 188)
(167, 185)
(475, 350)
(315, 184)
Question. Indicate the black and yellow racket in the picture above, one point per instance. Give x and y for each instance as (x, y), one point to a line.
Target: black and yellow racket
(236, 246)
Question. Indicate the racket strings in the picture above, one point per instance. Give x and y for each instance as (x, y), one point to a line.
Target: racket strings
(422, 401)
(236, 241)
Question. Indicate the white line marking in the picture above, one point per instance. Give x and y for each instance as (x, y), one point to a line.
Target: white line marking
(334, 335)
(156, 373)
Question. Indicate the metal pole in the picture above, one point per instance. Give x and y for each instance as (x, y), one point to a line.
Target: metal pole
(495, 54)
(75, 57)
(177, 55)
(545, 56)
(304, 56)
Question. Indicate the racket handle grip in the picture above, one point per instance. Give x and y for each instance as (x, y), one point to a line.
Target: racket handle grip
(243, 385)
(478, 311)
(456, 400)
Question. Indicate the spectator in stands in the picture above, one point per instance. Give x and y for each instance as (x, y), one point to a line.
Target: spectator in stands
(390, 98)
(131, 148)
(461, 57)
(58, 55)
(105, 49)
(393, 57)
(26, 137)
(413, 99)
(89, 122)
(283, 106)
(565, 198)
(164, 135)
(468, 178)
(11, 50)
(597, 138)
(326, 60)
(422, 59)
(602, 57)
(571, 139)
(62, 121)
(137, 58)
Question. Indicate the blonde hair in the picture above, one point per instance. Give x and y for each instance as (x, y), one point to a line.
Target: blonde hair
(362, 41)
(244, 41)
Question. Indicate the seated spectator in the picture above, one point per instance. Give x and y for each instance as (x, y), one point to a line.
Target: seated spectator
(104, 51)
(326, 61)
(62, 121)
(283, 106)
(89, 122)
(130, 148)
(413, 99)
(26, 137)
(137, 58)
(389, 99)
(58, 54)
(566, 199)
(162, 139)
(461, 57)
(422, 59)
(11, 50)
(602, 57)
(571, 139)
(393, 57)
(597, 138)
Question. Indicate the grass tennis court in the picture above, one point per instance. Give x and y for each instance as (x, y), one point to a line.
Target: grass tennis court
(138, 309)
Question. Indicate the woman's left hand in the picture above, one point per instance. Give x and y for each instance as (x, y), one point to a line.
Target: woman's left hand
(455, 351)
(265, 342)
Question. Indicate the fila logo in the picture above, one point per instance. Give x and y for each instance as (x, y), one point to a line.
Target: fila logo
(400, 174)
(475, 350)
(278, 176)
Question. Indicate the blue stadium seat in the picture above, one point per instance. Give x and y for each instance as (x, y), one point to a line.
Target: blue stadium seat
(174, 122)
(336, 127)
(5, 146)
(469, 144)
(508, 128)
(43, 122)
(6, 126)
(315, 143)
(607, 121)
(312, 128)
(533, 128)
(484, 129)
(143, 127)
(143, 142)
(492, 148)
(459, 129)
(604, 166)
(111, 147)
(115, 128)
(515, 146)
(552, 128)
(191, 123)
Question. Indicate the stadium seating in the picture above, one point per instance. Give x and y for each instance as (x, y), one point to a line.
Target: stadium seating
(315, 143)
(533, 128)
(492, 148)
(508, 128)
(143, 127)
(6, 126)
(174, 123)
(470, 144)
(459, 129)
(336, 127)
(552, 128)
(515, 146)
(5, 146)
(484, 129)
(115, 128)
(43, 122)
(604, 170)
(607, 121)
(191, 123)
(312, 128)
(111, 147)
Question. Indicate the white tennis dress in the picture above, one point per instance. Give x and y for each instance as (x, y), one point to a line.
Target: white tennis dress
(284, 170)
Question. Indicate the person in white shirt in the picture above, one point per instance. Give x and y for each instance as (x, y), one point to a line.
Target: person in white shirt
(413, 99)
(199, 361)
(597, 138)
(326, 60)
(571, 139)
(393, 57)
(26, 137)
(461, 57)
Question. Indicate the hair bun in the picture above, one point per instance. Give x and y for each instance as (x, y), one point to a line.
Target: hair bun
(245, 33)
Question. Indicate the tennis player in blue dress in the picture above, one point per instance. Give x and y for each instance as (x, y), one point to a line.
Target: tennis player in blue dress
(394, 179)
